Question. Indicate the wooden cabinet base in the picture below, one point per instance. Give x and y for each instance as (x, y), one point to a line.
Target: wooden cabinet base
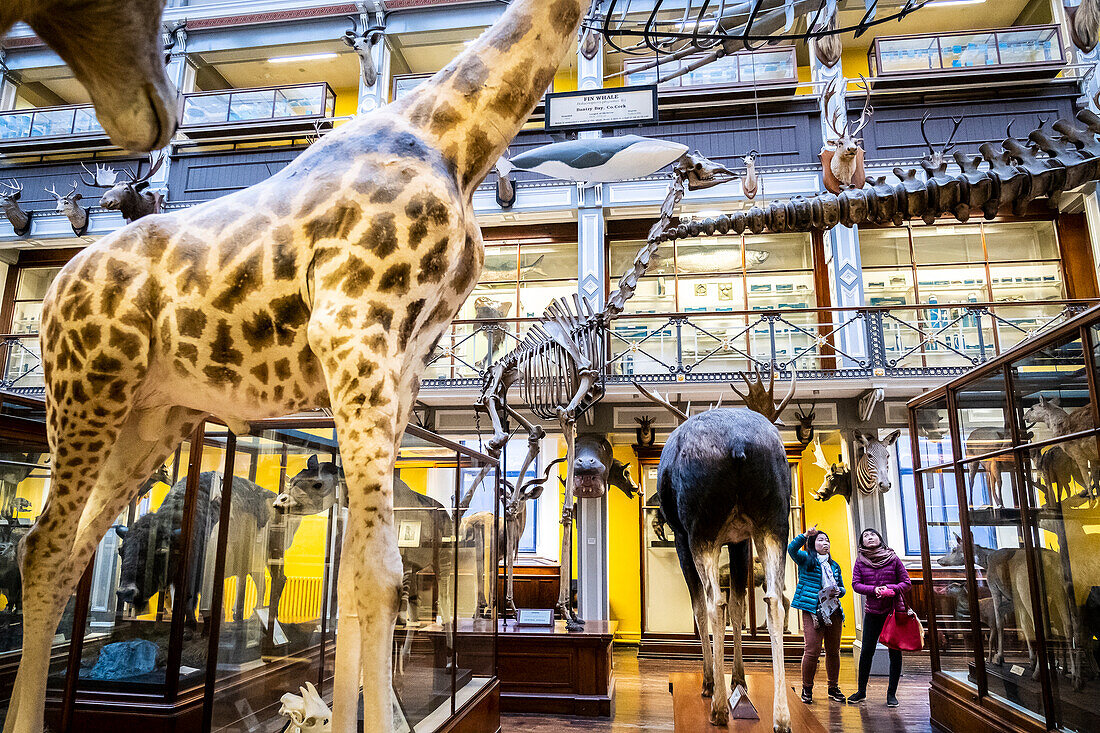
(686, 646)
(479, 715)
(557, 672)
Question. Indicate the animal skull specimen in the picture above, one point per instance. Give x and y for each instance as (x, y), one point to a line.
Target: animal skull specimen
(308, 713)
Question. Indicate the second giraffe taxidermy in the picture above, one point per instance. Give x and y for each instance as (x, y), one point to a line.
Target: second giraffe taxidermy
(326, 285)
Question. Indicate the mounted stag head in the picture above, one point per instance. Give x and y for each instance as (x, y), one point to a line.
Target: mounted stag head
(69, 205)
(936, 160)
(761, 399)
(751, 183)
(645, 433)
(363, 44)
(842, 156)
(1084, 23)
(130, 196)
(9, 201)
(805, 430)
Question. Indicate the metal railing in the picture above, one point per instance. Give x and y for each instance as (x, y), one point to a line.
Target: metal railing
(822, 343)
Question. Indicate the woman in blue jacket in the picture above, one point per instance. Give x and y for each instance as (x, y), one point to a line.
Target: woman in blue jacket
(818, 593)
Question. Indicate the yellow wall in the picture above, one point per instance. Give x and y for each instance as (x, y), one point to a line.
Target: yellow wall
(854, 63)
(624, 551)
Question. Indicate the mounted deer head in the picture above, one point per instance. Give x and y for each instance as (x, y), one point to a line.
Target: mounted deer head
(761, 399)
(9, 201)
(936, 160)
(805, 430)
(69, 205)
(645, 433)
(363, 44)
(842, 155)
(751, 184)
(130, 196)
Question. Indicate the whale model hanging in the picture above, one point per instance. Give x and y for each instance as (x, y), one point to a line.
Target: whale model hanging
(589, 160)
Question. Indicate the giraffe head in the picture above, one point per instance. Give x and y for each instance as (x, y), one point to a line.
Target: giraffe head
(114, 49)
(312, 490)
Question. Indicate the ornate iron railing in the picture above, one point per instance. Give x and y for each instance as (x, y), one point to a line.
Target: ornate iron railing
(822, 343)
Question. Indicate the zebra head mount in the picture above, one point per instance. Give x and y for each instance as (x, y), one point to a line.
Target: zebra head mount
(873, 464)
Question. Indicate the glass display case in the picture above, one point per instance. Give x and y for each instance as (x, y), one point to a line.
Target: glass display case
(285, 105)
(774, 67)
(668, 623)
(1006, 460)
(215, 592)
(1037, 46)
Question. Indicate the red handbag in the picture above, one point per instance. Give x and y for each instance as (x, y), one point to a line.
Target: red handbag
(903, 631)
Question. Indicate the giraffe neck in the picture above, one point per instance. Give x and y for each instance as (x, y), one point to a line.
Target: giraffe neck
(475, 106)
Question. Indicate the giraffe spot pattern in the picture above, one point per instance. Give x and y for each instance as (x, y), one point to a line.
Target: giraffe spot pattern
(222, 350)
(190, 322)
(336, 223)
(381, 235)
(395, 280)
(245, 279)
(433, 264)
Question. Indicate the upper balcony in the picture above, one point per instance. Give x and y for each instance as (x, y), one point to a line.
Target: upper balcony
(263, 111)
(1028, 52)
(51, 128)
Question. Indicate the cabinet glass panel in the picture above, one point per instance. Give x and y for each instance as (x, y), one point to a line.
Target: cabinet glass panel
(900, 55)
(1052, 394)
(985, 428)
(1032, 281)
(667, 602)
(960, 51)
(884, 247)
(25, 479)
(933, 434)
(1029, 46)
(1067, 542)
(1023, 241)
(951, 601)
(140, 582)
(948, 244)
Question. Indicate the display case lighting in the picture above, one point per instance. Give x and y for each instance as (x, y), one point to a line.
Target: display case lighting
(302, 57)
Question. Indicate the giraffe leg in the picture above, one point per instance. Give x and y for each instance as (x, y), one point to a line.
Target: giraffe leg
(59, 547)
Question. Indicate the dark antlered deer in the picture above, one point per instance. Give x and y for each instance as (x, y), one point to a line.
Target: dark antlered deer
(363, 43)
(9, 201)
(843, 152)
(130, 196)
(805, 430)
(69, 205)
(723, 480)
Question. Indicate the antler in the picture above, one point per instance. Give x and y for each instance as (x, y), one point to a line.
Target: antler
(103, 177)
(154, 166)
(15, 186)
(865, 115)
(833, 120)
(662, 401)
(819, 455)
(53, 192)
(354, 30)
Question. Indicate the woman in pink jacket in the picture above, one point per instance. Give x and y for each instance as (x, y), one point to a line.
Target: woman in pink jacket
(880, 576)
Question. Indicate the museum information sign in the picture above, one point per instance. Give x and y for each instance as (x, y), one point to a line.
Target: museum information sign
(599, 108)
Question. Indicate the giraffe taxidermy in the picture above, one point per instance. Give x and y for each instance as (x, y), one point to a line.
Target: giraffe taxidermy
(325, 286)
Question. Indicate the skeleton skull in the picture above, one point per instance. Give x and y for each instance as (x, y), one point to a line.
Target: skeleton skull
(308, 713)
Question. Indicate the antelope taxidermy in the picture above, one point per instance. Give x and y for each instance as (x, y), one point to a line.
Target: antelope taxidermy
(842, 155)
(130, 196)
(805, 430)
(828, 46)
(69, 205)
(645, 433)
(838, 477)
(19, 219)
(363, 44)
(762, 399)
(751, 183)
(1084, 23)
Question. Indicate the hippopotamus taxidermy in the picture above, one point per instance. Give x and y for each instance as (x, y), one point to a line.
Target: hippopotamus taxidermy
(595, 468)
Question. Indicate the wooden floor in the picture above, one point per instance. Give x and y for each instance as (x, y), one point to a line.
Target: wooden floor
(643, 702)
